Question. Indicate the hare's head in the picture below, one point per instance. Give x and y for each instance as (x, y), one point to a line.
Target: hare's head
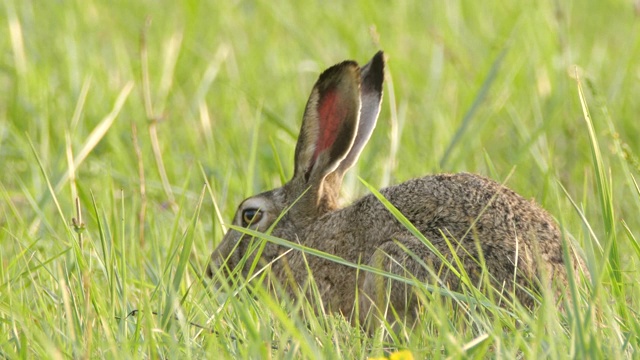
(338, 120)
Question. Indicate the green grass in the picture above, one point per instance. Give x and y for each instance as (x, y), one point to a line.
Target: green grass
(160, 116)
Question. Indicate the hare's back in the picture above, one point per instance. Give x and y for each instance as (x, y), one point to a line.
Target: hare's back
(466, 206)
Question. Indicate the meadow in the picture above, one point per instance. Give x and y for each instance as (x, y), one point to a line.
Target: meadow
(131, 130)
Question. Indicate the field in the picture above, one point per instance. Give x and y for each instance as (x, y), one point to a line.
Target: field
(130, 131)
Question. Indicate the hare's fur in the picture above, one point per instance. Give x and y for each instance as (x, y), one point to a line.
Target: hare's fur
(494, 232)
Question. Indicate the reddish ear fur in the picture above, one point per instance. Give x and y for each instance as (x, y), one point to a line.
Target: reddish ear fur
(330, 122)
(331, 114)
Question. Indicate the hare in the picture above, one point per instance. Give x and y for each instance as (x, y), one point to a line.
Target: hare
(493, 232)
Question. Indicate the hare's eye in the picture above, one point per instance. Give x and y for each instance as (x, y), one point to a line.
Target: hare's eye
(251, 216)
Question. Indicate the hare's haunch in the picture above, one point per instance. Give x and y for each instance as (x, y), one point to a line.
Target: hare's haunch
(494, 232)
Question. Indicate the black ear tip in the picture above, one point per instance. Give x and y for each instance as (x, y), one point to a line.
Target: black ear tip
(377, 62)
(379, 56)
(373, 72)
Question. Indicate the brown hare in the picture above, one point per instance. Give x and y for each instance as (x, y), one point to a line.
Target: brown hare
(494, 232)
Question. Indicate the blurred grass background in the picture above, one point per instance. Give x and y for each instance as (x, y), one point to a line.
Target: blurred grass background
(135, 105)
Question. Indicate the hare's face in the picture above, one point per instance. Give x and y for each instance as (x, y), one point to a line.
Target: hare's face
(238, 251)
(338, 120)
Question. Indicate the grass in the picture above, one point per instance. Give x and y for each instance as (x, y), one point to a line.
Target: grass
(159, 117)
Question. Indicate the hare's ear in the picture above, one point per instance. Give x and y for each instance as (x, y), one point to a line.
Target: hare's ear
(330, 123)
(372, 77)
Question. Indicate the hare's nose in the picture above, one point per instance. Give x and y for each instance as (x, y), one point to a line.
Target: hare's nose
(209, 271)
